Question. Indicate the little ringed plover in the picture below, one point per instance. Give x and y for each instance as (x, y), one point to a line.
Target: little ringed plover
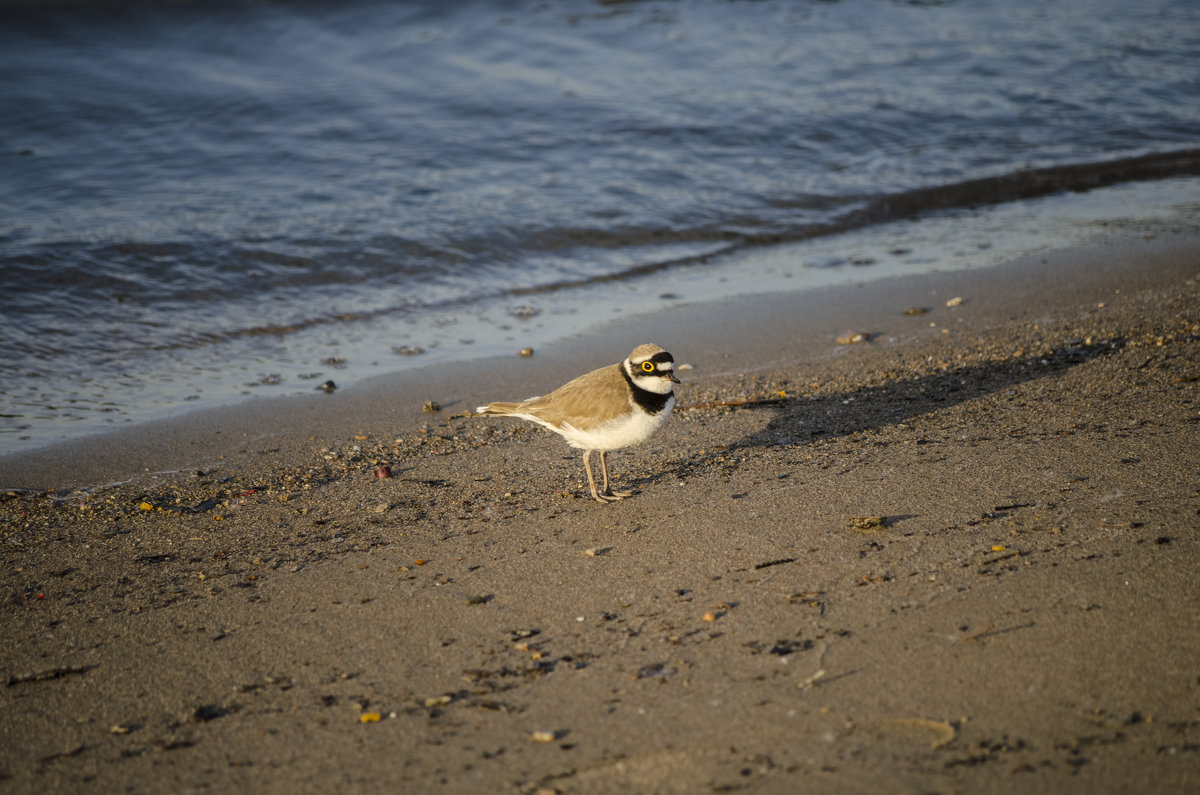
(616, 406)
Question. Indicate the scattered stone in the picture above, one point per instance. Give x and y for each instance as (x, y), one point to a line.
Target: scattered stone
(431, 407)
(955, 302)
(408, 350)
(943, 733)
(656, 670)
(383, 472)
(852, 338)
(328, 387)
(916, 310)
(867, 522)
(526, 352)
(210, 712)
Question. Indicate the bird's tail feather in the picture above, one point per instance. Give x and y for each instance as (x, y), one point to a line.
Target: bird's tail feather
(497, 408)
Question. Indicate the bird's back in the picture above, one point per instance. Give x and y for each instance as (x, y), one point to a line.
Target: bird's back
(585, 402)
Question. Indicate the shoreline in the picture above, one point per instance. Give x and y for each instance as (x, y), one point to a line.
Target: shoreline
(712, 331)
(488, 329)
(935, 561)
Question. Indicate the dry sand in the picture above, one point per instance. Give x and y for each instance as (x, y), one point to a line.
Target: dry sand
(247, 607)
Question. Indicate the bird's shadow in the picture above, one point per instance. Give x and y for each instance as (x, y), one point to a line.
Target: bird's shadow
(799, 421)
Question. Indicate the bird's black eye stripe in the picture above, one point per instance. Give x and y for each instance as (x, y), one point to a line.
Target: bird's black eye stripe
(659, 358)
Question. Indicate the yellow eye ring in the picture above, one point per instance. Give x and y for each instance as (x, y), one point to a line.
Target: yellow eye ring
(648, 367)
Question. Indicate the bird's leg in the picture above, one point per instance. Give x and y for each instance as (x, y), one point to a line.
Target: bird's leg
(616, 495)
(587, 465)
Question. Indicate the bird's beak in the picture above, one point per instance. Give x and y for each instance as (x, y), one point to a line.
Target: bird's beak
(673, 378)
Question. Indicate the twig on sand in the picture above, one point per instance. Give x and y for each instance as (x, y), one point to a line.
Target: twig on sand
(741, 403)
(48, 674)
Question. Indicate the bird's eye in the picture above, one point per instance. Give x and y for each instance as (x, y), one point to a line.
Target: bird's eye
(648, 367)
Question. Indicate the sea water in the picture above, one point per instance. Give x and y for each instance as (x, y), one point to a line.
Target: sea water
(208, 201)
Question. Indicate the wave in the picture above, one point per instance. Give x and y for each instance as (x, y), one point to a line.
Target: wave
(905, 205)
(857, 213)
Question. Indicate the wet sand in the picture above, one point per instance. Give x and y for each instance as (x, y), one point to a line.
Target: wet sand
(959, 556)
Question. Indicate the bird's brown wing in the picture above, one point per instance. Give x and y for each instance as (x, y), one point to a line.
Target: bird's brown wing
(585, 402)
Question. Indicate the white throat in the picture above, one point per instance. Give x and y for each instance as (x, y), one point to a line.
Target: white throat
(649, 381)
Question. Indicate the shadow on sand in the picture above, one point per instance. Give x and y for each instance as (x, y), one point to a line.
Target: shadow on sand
(798, 421)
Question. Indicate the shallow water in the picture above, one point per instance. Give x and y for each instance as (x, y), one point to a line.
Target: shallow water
(207, 201)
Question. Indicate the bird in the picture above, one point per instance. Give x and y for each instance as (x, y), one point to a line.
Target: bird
(617, 406)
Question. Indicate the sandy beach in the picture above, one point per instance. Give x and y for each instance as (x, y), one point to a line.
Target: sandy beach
(957, 556)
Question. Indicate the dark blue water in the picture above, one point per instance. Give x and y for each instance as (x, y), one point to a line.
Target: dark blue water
(202, 201)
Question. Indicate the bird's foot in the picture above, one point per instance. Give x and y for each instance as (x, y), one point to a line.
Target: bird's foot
(609, 495)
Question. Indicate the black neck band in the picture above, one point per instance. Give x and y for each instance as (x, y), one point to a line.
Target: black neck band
(651, 402)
